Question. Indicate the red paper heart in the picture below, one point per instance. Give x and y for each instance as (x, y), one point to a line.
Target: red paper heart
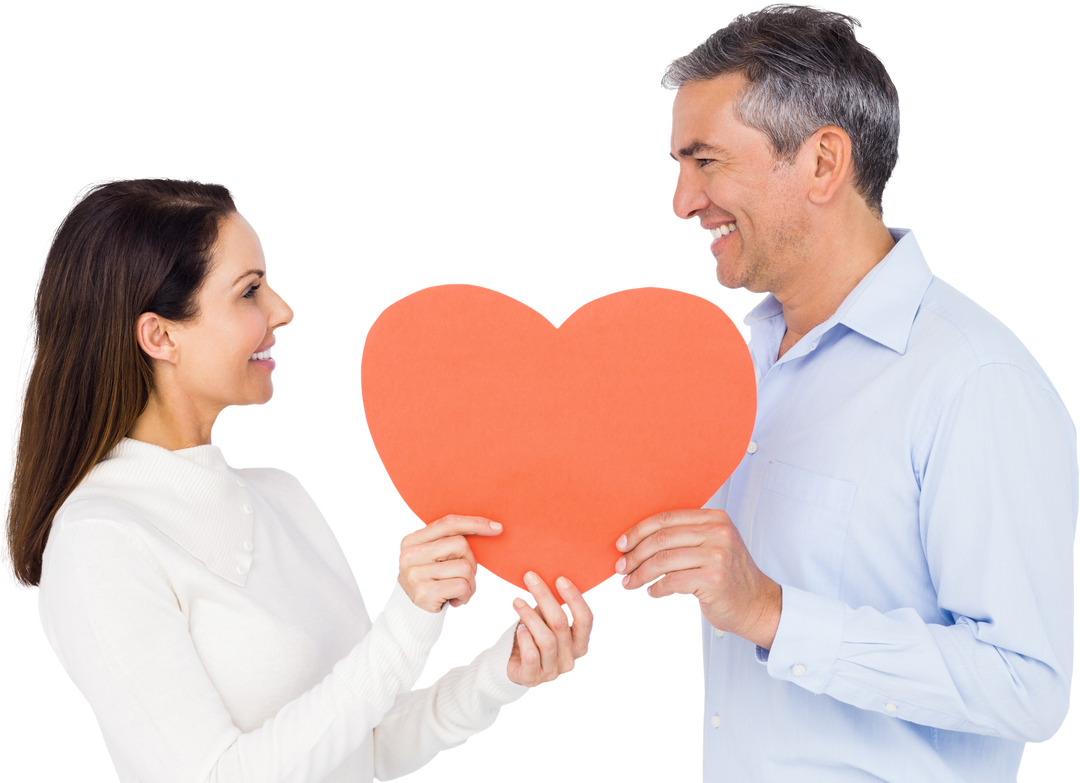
(642, 401)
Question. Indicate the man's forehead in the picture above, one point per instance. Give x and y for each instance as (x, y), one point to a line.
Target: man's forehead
(703, 113)
(701, 132)
(708, 97)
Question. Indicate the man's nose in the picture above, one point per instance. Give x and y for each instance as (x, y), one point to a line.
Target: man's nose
(690, 195)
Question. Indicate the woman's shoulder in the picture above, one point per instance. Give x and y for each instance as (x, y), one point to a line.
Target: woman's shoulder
(93, 508)
(280, 488)
(269, 473)
(100, 534)
(284, 492)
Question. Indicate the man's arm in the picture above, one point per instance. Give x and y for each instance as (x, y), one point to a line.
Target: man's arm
(997, 515)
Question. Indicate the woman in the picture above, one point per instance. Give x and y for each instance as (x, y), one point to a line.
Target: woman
(207, 613)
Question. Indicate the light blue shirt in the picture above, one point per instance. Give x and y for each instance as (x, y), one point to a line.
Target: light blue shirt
(912, 485)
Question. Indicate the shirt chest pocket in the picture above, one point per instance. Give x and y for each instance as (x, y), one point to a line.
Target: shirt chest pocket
(800, 528)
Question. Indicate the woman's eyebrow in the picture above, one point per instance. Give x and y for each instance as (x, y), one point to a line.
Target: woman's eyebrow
(250, 271)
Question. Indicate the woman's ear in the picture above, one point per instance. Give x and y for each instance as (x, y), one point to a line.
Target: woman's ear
(152, 332)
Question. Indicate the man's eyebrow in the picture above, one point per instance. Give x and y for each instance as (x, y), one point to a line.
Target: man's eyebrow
(258, 272)
(697, 147)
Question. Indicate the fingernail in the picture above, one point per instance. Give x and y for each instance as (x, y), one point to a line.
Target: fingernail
(620, 564)
(625, 580)
(495, 526)
(532, 578)
(563, 583)
(519, 604)
(621, 543)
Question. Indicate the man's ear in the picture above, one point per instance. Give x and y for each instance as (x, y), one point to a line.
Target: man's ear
(152, 332)
(830, 152)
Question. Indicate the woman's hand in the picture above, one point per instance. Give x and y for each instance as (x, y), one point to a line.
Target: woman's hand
(437, 564)
(546, 644)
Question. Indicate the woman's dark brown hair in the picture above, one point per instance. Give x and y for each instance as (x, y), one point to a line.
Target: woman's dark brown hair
(126, 249)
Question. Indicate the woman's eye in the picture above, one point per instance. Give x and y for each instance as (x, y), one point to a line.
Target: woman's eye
(250, 293)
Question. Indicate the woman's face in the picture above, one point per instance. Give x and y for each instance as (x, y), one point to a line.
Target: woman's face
(224, 352)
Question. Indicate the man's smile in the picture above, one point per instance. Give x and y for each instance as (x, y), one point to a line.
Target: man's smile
(720, 236)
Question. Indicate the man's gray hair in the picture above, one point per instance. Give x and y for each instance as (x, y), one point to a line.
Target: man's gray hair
(805, 71)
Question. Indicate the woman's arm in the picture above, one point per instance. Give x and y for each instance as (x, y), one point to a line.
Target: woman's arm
(114, 621)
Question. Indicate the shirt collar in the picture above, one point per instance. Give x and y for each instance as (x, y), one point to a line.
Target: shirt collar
(882, 307)
(191, 495)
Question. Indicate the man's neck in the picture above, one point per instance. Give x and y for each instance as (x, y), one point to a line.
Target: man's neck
(836, 264)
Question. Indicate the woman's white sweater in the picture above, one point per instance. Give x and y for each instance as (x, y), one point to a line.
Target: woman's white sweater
(211, 620)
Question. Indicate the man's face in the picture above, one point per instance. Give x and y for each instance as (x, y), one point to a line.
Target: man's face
(730, 178)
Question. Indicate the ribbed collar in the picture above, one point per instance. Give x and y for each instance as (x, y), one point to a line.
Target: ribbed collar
(191, 495)
(882, 307)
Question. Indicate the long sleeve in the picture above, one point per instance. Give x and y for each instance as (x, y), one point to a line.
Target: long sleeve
(997, 518)
(464, 701)
(912, 487)
(113, 619)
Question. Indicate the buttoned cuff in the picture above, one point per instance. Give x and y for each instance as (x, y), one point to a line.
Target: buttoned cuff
(807, 639)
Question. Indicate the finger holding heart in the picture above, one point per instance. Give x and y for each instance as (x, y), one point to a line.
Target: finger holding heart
(437, 565)
(699, 552)
(546, 644)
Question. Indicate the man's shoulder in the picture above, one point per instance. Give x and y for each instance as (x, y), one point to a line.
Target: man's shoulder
(958, 329)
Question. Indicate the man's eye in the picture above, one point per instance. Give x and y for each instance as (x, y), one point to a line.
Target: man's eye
(250, 293)
(703, 161)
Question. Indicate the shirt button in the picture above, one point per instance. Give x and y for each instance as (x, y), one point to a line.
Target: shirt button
(248, 509)
(715, 721)
(248, 546)
(798, 670)
(241, 569)
(718, 632)
(890, 707)
(751, 447)
(240, 483)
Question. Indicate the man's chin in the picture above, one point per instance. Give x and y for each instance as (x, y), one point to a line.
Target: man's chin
(737, 286)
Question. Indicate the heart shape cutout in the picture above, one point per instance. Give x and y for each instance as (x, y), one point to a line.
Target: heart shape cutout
(642, 401)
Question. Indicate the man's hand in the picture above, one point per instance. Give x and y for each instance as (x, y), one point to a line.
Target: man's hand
(699, 552)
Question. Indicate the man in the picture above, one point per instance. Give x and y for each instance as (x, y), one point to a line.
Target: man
(886, 579)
